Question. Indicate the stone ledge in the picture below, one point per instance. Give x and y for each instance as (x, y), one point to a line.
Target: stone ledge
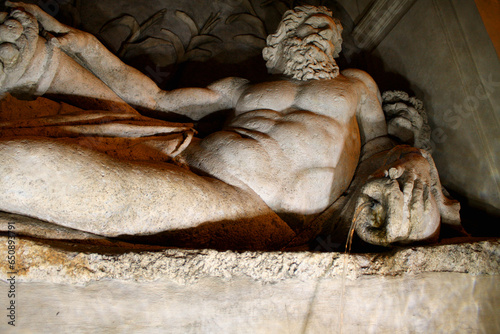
(37, 261)
(433, 289)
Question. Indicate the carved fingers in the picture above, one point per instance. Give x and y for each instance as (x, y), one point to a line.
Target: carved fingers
(18, 37)
(47, 21)
(68, 39)
(423, 211)
(398, 208)
(378, 208)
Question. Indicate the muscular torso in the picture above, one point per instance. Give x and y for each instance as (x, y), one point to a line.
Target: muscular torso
(296, 144)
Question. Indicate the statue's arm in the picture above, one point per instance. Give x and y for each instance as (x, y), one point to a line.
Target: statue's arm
(126, 82)
(197, 103)
(138, 90)
(395, 196)
(370, 116)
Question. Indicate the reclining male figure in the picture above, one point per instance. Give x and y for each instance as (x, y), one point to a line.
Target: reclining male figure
(291, 148)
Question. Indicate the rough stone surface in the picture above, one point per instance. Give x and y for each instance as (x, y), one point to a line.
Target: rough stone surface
(446, 288)
(57, 264)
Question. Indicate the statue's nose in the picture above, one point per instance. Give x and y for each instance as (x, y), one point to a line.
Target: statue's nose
(307, 30)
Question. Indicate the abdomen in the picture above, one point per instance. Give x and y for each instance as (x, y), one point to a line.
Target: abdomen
(297, 163)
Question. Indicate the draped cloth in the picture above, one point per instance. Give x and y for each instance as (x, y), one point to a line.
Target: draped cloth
(121, 135)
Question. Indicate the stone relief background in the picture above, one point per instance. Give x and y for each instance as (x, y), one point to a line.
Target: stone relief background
(167, 40)
(439, 51)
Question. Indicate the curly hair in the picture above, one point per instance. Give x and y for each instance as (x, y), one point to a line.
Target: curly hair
(289, 23)
(391, 97)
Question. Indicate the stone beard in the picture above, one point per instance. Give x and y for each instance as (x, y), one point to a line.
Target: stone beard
(309, 58)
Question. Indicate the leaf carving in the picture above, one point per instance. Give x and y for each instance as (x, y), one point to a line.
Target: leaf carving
(137, 32)
(251, 20)
(248, 6)
(152, 44)
(251, 40)
(199, 40)
(193, 28)
(197, 54)
(213, 19)
(147, 24)
(176, 42)
(148, 43)
(281, 6)
(125, 20)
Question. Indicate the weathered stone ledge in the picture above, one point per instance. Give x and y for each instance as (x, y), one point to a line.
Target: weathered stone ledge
(37, 261)
(435, 289)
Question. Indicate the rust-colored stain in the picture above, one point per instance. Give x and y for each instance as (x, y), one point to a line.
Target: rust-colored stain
(490, 13)
(30, 255)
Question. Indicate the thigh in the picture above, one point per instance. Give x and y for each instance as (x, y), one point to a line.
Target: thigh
(83, 189)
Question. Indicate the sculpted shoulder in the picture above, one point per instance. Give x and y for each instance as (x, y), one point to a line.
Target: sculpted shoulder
(364, 78)
(336, 98)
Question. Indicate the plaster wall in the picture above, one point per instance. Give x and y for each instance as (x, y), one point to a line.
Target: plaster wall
(355, 8)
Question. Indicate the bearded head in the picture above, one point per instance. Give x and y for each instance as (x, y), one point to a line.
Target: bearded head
(305, 44)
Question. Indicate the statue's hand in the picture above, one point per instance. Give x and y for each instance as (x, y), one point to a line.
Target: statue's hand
(69, 39)
(18, 38)
(397, 204)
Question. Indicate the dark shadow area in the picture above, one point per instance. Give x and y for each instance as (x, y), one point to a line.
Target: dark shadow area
(202, 74)
(260, 233)
(257, 234)
(100, 246)
(253, 234)
(447, 235)
(477, 219)
(375, 66)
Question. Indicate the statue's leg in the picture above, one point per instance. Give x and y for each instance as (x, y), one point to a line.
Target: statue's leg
(79, 188)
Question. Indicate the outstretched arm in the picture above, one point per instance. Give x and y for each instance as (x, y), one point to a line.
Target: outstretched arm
(138, 90)
(129, 84)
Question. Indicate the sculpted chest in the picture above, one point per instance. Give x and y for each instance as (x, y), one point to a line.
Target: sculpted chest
(278, 96)
(332, 98)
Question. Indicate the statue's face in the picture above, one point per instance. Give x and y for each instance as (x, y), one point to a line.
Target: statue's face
(308, 52)
(321, 31)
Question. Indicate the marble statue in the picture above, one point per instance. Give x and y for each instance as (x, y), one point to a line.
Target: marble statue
(306, 149)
